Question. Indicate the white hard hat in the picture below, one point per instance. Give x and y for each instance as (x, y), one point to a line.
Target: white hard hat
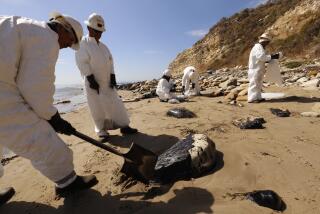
(167, 72)
(96, 22)
(66, 20)
(265, 37)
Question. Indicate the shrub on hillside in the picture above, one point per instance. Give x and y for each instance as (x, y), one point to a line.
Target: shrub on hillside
(293, 64)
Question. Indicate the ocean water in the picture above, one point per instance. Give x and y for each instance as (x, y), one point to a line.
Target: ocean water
(72, 93)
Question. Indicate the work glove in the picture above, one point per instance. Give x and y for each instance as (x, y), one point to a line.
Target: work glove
(93, 83)
(275, 56)
(60, 125)
(173, 88)
(113, 82)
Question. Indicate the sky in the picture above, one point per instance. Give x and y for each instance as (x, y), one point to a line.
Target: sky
(144, 36)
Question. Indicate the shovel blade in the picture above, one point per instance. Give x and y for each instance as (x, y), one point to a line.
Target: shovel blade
(139, 163)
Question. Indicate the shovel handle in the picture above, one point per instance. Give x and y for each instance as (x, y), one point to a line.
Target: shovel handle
(97, 143)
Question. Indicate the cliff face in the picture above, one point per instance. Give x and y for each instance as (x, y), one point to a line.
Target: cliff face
(294, 24)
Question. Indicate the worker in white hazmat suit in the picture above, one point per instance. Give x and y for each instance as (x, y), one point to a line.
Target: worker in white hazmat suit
(165, 87)
(28, 120)
(95, 63)
(190, 76)
(257, 59)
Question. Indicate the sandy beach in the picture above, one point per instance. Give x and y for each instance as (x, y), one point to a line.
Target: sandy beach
(283, 157)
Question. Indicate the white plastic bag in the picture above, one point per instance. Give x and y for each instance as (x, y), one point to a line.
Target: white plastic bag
(173, 101)
(273, 74)
(270, 96)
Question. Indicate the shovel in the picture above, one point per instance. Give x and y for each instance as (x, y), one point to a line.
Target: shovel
(138, 161)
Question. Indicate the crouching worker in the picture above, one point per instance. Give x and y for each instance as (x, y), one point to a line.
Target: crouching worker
(190, 76)
(166, 87)
(28, 120)
(257, 69)
(95, 63)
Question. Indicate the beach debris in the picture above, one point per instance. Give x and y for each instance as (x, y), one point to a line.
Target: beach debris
(267, 198)
(316, 107)
(148, 95)
(136, 99)
(190, 157)
(173, 101)
(249, 123)
(180, 113)
(232, 96)
(280, 112)
(63, 102)
(314, 83)
(235, 103)
(212, 92)
(310, 114)
(5, 161)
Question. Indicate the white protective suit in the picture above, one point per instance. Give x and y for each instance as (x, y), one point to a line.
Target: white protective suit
(163, 89)
(190, 76)
(28, 54)
(107, 109)
(257, 60)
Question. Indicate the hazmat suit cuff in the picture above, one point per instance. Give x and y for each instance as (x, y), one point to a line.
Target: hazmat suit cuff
(268, 58)
(86, 73)
(66, 180)
(48, 115)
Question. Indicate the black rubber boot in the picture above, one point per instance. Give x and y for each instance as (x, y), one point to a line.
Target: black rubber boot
(6, 195)
(258, 101)
(128, 130)
(81, 183)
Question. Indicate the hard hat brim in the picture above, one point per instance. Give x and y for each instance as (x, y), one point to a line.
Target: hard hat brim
(102, 29)
(264, 40)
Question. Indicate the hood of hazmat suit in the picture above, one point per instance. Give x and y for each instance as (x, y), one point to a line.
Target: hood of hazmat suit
(69, 22)
(167, 72)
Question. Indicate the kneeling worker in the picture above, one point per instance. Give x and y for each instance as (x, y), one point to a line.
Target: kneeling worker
(165, 87)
